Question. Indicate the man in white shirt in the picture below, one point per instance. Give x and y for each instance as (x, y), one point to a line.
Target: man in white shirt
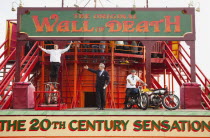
(132, 79)
(55, 60)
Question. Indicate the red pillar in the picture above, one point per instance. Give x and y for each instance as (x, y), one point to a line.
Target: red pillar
(192, 60)
(19, 46)
(148, 47)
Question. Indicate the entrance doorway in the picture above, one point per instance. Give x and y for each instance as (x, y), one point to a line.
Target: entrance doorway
(90, 99)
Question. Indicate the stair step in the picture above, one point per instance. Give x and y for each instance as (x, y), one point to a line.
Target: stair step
(6, 68)
(3, 72)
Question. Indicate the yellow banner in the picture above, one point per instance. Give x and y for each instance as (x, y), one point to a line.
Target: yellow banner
(126, 126)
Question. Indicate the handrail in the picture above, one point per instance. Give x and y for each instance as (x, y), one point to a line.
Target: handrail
(188, 77)
(155, 82)
(28, 63)
(7, 79)
(7, 93)
(6, 82)
(29, 53)
(3, 43)
(170, 59)
(3, 53)
(12, 70)
(206, 88)
(195, 65)
(7, 59)
(10, 75)
(177, 78)
(206, 100)
(29, 69)
(107, 44)
(157, 48)
(203, 75)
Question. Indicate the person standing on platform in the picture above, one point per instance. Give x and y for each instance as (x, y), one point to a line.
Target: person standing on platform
(102, 81)
(132, 79)
(55, 60)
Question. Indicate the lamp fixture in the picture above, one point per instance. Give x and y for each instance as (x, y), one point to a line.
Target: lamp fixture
(133, 11)
(198, 8)
(20, 5)
(78, 11)
(75, 5)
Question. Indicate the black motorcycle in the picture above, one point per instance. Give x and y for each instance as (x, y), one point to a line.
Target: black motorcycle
(137, 97)
(163, 97)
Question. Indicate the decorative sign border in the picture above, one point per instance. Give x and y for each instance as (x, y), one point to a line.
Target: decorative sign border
(109, 126)
(190, 36)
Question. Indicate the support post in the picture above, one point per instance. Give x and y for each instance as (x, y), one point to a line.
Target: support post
(192, 60)
(172, 81)
(75, 77)
(148, 47)
(164, 78)
(62, 3)
(18, 56)
(144, 63)
(169, 82)
(42, 68)
(112, 43)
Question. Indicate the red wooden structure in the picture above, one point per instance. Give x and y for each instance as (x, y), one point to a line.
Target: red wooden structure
(155, 58)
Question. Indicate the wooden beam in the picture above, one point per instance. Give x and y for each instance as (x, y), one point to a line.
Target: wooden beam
(112, 43)
(42, 68)
(19, 46)
(192, 60)
(75, 76)
(148, 47)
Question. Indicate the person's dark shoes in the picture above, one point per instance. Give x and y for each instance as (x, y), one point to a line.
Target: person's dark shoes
(102, 108)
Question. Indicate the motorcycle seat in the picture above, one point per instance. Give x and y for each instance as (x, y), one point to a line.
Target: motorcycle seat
(135, 91)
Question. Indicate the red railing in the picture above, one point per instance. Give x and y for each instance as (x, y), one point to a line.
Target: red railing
(203, 79)
(155, 83)
(30, 63)
(158, 47)
(4, 62)
(5, 51)
(3, 43)
(172, 60)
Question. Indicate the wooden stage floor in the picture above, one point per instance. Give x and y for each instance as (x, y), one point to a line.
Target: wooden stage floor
(107, 111)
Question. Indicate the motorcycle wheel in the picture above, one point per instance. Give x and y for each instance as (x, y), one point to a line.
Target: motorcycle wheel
(171, 102)
(144, 102)
(128, 106)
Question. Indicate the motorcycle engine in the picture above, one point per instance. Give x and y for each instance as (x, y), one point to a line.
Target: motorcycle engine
(132, 100)
(156, 100)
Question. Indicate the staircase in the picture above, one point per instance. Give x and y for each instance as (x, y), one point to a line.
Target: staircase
(155, 83)
(28, 62)
(182, 74)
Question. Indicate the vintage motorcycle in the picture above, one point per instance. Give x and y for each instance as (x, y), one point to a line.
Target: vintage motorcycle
(158, 97)
(139, 98)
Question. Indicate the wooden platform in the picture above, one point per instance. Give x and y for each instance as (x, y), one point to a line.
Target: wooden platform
(112, 112)
(118, 123)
